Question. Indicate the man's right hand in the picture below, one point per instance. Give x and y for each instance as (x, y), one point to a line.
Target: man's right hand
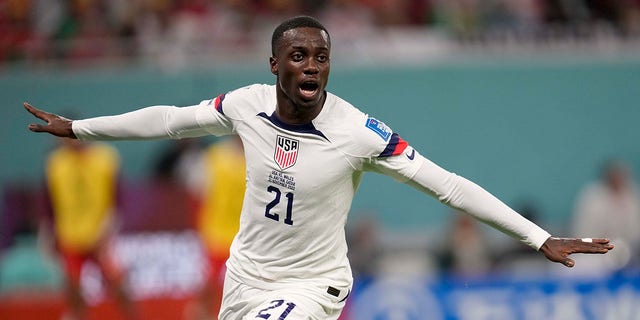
(56, 125)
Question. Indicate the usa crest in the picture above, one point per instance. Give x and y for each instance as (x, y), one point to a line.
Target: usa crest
(286, 152)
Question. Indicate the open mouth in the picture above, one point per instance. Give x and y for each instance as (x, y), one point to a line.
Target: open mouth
(309, 88)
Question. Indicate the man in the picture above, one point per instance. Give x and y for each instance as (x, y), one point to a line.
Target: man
(306, 150)
(81, 183)
(611, 206)
(218, 216)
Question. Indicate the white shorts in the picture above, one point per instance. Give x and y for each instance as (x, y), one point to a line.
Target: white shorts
(308, 301)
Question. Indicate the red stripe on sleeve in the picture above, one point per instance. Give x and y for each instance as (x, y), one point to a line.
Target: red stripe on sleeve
(218, 103)
(400, 147)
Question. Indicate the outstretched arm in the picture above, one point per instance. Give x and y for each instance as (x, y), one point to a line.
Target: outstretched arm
(559, 249)
(56, 125)
(155, 122)
(467, 196)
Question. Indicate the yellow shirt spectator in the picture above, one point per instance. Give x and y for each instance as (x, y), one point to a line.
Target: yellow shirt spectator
(82, 186)
(219, 216)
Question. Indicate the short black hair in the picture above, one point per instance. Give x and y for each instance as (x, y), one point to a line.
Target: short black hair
(294, 23)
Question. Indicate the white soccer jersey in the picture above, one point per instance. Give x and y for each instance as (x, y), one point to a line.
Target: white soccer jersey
(301, 180)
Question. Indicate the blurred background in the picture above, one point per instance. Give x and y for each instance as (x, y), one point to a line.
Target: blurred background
(535, 100)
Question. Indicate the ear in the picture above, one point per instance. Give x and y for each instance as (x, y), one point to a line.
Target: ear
(273, 62)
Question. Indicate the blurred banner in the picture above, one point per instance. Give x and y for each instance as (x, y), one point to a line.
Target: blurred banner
(170, 265)
(495, 297)
(159, 265)
(166, 270)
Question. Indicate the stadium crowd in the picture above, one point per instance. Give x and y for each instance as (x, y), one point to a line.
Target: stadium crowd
(40, 31)
(172, 32)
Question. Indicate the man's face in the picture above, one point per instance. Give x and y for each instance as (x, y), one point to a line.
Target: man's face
(302, 65)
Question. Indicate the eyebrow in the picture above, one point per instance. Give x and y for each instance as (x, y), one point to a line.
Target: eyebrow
(305, 48)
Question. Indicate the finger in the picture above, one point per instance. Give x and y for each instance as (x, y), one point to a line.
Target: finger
(569, 263)
(600, 240)
(30, 108)
(37, 128)
(36, 112)
(592, 248)
(604, 243)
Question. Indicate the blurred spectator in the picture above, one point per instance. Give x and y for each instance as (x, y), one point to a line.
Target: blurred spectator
(351, 18)
(555, 12)
(82, 183)
(84, 33)
(15, 29)
(167, 200)
(631, 17)
(610, 207)
(460, 17)
(181, 164)
(22, 204)
(515, 258)
(173, 33)
(364, 247)
(466, 252)
(181, 160)
(218, 218)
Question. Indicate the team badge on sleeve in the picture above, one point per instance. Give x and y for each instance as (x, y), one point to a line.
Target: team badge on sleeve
(286, 152)
(379, 128)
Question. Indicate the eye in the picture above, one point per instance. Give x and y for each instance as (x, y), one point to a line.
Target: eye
(297, 56)
(322, 58)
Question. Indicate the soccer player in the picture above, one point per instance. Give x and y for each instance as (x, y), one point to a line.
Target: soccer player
(306, 151)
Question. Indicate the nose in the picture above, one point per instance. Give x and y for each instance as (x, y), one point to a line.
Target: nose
(311, 67)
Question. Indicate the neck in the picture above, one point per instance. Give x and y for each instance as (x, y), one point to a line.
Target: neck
(291, 113)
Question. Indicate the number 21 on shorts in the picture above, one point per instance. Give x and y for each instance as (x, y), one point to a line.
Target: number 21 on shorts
(274, 308)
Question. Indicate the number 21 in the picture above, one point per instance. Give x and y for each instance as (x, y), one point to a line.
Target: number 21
(288, 219)
(275, 304)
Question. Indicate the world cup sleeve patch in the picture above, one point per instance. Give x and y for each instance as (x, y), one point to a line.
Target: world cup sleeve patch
(379, 128)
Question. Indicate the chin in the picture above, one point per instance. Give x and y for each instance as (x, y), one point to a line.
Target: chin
(305, 103)
(311, 101)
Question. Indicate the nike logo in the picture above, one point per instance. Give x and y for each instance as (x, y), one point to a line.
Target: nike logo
(412, 155)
